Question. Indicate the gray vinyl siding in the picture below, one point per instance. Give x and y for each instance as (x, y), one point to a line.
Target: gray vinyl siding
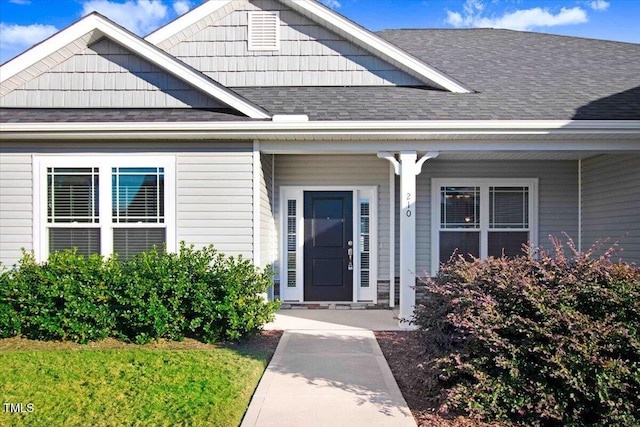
(16, 206)
(267, 220)
(557, 198)
(309, 54)
(330, 170)
(106, 75)
(214, 192)
(611, 203)
(214, 199)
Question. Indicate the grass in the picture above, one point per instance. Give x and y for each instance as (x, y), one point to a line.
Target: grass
(114, 384)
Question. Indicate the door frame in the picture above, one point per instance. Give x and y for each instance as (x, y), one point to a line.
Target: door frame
(296, 294)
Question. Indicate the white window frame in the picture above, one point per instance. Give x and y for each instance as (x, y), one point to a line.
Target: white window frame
(484, 184)
(360, 294)
(104, 163)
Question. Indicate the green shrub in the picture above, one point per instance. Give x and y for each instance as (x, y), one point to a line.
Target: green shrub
(229, 300)
(64, 298)
(10, 320)
(150, 297)
(197, 293)
(541, 339)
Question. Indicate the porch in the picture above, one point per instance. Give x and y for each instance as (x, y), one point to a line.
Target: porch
(395, 240)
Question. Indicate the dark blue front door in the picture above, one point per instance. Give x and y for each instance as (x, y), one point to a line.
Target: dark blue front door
(328, 238)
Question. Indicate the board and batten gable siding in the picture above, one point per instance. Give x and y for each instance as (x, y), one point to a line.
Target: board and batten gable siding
(106, 75)
(344, 171)
(611, 203)
(215, 198)
(557, 198)
(16, 206)
(309, 54)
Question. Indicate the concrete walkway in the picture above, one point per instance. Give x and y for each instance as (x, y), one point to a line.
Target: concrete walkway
(328, 370)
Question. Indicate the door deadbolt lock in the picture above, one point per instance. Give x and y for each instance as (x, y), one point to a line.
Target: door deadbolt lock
(350, 243)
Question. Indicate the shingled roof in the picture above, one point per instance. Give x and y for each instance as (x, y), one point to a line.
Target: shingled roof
(515, 75)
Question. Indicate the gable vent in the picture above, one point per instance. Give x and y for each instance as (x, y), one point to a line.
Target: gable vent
(264, 30)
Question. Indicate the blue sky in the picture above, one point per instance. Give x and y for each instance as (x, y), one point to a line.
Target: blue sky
(26, 22)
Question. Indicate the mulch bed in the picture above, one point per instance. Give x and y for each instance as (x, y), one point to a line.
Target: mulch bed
(404, 353)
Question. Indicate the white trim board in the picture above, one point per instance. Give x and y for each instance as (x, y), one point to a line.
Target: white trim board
(99, 27)
(398, 129)
(184, 21)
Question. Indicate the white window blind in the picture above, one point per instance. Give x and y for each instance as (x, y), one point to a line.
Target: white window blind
(264, 30)
(291, 243)
(72, 209)
(137, 196)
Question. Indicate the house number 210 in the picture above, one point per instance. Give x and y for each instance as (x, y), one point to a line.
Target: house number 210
(408, 204)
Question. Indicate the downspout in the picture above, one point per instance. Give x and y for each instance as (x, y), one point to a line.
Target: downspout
(256, 203)
(274, 231)
(392, 236)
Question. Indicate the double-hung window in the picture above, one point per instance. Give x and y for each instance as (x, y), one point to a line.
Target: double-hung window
(482, 217)
(103, 204)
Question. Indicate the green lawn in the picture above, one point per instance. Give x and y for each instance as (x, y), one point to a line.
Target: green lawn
(132, 385)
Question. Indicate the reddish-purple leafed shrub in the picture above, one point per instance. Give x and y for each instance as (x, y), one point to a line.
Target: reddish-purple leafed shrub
(541, 339)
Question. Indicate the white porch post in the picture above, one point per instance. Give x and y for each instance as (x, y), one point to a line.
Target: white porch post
(408, 174)
(408, 169)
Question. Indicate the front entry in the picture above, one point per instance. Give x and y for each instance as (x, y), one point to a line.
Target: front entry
(328, 246)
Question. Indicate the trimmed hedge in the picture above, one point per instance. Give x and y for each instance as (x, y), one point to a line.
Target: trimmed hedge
(194, 293)
(541, 339)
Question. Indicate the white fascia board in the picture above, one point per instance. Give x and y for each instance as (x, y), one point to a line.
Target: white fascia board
(457, 126)
(47, 47)
(185, 21)
(371, 42)
(103, 27)
(364, 128)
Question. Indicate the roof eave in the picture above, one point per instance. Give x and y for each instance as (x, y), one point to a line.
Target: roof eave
(396, 129)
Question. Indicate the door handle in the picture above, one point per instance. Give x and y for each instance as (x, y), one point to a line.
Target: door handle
(350, 253)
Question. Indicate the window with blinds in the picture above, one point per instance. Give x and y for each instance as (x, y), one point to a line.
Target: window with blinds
(73, 210)
(508, 220)
(484, 220)
(365, 242)
(291, 243)
(459, 222)
(133, 218)
(264, 30)
(137, 198)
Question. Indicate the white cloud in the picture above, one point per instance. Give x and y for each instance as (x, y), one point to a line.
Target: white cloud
(181, 7)
(16, 38)
(139, 16)
(333, 4)
(523, 19)
(20, 2)
(600, 5)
